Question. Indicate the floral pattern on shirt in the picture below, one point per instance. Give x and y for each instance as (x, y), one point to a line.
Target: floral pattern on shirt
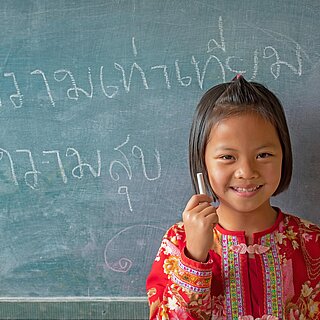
(306, 307)
(296, 245)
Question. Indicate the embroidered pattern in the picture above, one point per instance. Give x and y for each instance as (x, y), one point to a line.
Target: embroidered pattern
(232, 278)
(242, 248)
(195, 272)
(231, 250)
(180, 289)
(264, 317)
(187, 285)
(273, 276)
(192, 279)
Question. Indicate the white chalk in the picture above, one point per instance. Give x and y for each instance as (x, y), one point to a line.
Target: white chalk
(202, 187)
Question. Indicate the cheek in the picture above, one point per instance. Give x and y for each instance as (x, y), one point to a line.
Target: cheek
(274, 171)
(217, 177)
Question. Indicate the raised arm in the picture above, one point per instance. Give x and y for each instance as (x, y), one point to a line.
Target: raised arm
(178, 287)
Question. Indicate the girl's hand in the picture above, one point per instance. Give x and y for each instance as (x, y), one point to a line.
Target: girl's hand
(199, 218)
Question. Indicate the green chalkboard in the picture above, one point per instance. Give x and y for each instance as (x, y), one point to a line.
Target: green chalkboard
(96, 100)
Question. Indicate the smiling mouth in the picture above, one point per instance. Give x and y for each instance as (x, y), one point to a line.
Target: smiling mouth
(246, 190)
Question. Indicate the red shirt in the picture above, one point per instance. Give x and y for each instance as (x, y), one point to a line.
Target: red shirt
(277, 277)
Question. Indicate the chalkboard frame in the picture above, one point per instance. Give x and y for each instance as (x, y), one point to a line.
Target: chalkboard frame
(94, 131)
(69, 308)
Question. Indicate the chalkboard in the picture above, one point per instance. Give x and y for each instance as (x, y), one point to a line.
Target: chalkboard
(96, 100)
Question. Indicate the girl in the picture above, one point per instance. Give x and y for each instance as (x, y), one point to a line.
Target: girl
(244, 259)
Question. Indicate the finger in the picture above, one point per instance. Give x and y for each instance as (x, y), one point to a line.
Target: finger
(199, 215)
(196, 199)
(208, 211)
(202, 206)
(212, 218)
(204, 209)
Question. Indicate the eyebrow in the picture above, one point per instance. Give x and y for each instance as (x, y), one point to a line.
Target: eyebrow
(269, 145)
(226, 148)
(223, 148)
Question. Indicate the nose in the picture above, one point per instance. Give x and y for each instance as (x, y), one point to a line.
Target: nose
(246, 170)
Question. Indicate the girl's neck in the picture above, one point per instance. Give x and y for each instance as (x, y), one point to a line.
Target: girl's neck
(250, 222)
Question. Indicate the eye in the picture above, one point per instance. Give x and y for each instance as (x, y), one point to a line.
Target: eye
(264, 155)
(227, 157)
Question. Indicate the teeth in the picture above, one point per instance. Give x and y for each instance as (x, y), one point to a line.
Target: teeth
(246, 190)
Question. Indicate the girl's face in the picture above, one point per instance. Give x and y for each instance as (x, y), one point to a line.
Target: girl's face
(243, 159)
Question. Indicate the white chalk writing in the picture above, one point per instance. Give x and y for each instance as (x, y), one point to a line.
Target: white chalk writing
(79, 167)
(16, 96)
(124, 163)
(117, 244)
(215, 62)
(34, 173)
(12, 170)
(56, 160)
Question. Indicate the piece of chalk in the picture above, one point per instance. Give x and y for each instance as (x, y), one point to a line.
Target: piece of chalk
(201, 185)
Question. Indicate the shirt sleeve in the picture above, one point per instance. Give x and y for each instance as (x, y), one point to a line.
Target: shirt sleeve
(303, 251)
(178, 287)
